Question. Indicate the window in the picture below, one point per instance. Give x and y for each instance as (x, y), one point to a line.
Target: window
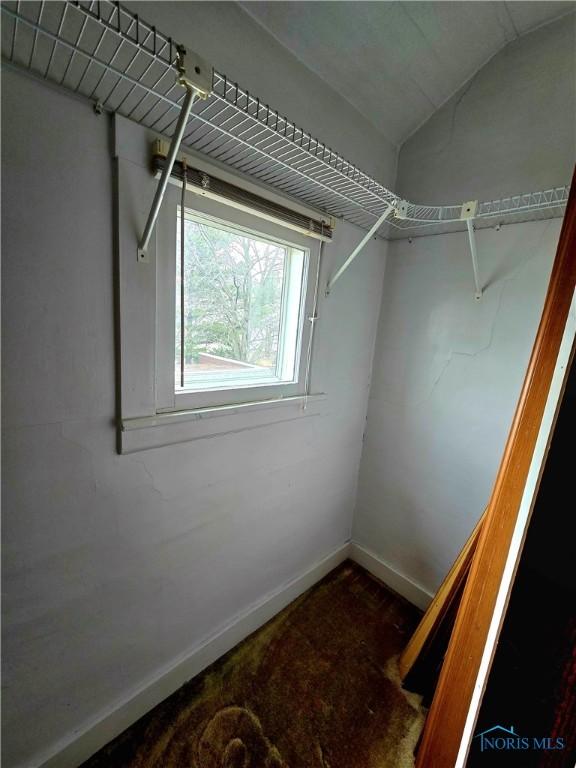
(238, 309)
(248, 294)
(250, 290)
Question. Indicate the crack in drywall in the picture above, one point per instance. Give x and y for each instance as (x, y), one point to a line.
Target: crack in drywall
(511, 19)
(505, 283)
(462, 353)
(99, 485)
(492, 327)
(435, 384)
(457, 104)
(87, 452)
(505, 30)
(149, 474)
(451, 354)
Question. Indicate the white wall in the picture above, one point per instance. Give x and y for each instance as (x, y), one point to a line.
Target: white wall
(448, 369)
(510, 129)
(447, 375)
(116, 566)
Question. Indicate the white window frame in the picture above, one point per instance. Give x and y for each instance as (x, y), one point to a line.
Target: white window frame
(149, 414)
(221, 214)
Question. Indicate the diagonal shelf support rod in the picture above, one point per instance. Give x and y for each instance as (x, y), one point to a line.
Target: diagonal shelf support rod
(194, 90)
(474, 253)
(375, 227)
(189, 99)
(235, 126)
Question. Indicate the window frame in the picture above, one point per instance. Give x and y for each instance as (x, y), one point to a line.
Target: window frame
(167, 398)
(140, 421)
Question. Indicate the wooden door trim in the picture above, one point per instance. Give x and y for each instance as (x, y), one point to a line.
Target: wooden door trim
(441, 604)
(446, 720)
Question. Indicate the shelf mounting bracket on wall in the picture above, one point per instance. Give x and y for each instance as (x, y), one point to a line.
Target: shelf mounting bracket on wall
(387, 211)
(198, 85)
(132, 74)
(467, 214)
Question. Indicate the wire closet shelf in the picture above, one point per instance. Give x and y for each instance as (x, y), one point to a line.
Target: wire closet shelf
(103, 52)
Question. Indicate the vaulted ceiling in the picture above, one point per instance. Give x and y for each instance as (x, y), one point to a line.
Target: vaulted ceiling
(397, 62)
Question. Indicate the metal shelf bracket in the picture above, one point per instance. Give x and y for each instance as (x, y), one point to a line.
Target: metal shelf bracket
(198, 85)
(390, 207)
(467, 214)
(472, 239)
(101, 51)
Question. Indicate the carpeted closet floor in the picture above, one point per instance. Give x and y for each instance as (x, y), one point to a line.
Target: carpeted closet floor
(316, 687)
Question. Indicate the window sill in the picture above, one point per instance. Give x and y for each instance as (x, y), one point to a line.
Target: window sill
(172, 427)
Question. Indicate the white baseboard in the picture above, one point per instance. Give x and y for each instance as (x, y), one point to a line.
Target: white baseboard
(80, 745)
(70, 752)
(413, 592)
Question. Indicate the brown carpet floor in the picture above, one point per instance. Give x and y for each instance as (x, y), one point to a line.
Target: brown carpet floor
(316, 687)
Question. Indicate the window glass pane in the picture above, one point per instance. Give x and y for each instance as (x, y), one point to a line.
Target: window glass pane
(241, 308)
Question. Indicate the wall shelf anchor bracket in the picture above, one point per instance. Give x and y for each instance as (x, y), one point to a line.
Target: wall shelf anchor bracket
(473, 252)
(390, 207)
(472, 239)
(198, 85)
(467, 214)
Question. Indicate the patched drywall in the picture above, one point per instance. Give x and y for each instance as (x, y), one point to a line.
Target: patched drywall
(447, 375)
(511, 129)
(115, 567)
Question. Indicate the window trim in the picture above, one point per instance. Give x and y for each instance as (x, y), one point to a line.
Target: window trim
(173, 427)
(167, 398)
(141, 424)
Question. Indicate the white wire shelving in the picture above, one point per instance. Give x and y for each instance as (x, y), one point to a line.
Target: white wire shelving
(100, 51)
